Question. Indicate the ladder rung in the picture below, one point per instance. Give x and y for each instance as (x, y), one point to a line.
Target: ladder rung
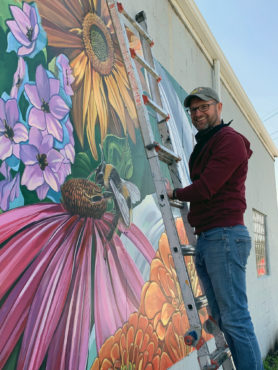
(218, 357)
(135, 24)
(201, 301)
(176, 203)
(155, 107)
(144, 64)
(188, 250)
(164, 154)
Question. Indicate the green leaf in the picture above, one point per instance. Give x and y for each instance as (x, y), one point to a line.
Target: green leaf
(8, 65)
(82, 166)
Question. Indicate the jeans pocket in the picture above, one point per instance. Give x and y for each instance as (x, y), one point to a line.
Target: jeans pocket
(243, 247)
(213, 235)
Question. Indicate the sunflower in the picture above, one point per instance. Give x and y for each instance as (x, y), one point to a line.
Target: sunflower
(83, 30)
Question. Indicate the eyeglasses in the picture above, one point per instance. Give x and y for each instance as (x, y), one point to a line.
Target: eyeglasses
(202, 108)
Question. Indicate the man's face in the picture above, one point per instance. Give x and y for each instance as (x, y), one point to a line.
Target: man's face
(210, 118)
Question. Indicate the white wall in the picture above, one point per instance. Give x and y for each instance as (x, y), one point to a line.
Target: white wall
(177, 51)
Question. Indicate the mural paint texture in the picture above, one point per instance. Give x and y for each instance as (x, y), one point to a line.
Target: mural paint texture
(86, 275)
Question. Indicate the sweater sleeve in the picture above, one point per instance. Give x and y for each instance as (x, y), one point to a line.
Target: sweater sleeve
(227, 155)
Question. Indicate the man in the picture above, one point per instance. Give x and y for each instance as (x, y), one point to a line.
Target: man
(218, 170)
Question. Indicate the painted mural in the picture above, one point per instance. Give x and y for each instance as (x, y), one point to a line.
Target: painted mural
(87, 280)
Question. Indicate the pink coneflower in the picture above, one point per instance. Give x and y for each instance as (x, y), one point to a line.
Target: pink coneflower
(46, 270)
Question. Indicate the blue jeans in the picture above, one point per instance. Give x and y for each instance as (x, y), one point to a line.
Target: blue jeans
(221, 257)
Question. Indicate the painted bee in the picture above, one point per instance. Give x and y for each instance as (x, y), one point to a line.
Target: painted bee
(123, 193)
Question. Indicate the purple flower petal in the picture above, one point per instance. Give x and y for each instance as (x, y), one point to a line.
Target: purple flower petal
(54, 86)
(18, 77)
(28, 154)
(35, 137)
(21, 18)
(55, 159)
(42, 82)
(32, 93)
(17, 32)
(5, 170)
(51, 179)
(2, 110)
(46, 145)
(70, 152)
(58, 107)
(54, 127)
(6, 148)
(12, 112)
(37, 118)
(32, 177)
(20, 133)
(25, 50)
(16, 150)
(42, 191)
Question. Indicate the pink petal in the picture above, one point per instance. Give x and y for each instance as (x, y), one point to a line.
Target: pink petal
(48, 303)
(104, 298)
(14, 311)
(69, 347)
(13, 221)
(16, 255)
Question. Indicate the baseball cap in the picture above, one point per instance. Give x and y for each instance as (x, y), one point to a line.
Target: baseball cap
(204, 93)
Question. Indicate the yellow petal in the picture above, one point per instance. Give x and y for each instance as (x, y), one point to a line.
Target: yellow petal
(115, 99)
(101, 103)
(78, 66)
(91, 123)
(87, 90)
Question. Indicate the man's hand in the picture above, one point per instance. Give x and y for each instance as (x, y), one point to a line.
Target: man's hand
(168, 189)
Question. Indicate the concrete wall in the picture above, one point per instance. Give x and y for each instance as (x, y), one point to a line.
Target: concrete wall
(178, 52)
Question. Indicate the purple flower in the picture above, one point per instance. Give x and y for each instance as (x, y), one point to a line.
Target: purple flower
(27, 36)
(9, 188)
(20, 77)
(65, 74)
(48, 108)
(12, 132)
(42, 163)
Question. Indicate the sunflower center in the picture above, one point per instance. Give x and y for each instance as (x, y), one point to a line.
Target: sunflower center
(98, 44)
(42, 159)
(9, 132)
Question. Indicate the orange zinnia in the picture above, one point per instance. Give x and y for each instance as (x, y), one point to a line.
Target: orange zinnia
(161, 298)
(82, 29)
(134, 346)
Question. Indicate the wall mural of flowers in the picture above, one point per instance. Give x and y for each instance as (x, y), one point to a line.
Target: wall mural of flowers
(74, 292)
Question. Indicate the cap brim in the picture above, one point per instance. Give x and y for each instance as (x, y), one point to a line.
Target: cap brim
(200, 96)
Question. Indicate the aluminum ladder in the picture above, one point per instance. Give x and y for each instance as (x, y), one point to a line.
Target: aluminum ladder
(155, 153)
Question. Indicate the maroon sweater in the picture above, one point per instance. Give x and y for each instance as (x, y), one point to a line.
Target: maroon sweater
(218, 169)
